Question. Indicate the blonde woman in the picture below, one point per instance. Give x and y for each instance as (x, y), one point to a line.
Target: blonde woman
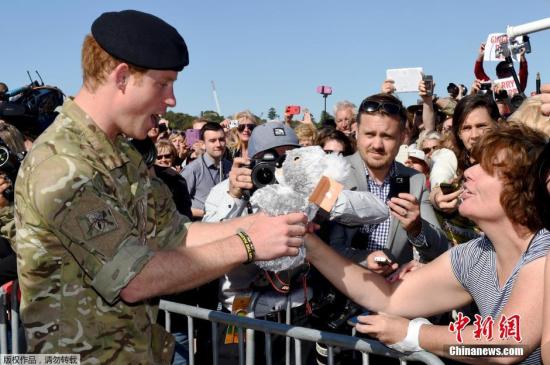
(238, 145)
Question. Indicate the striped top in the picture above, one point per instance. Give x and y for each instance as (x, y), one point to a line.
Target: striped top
(474, 265)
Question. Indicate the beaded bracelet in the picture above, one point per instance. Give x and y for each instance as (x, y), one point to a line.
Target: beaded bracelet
(248, 245)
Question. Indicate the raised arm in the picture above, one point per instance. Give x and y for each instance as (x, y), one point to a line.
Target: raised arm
(428, 114)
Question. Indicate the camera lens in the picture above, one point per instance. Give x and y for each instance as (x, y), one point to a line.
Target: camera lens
(265, 176)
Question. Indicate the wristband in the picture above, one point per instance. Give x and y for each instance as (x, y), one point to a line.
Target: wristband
(248, 245)
(410, 342)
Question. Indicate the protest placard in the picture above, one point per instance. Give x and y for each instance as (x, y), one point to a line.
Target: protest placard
(507, 84)
(492, 46)
(406, 79)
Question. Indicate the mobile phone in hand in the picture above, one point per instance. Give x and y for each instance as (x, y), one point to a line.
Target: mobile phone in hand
(381, 260)
(448, 188)
(399, 184)
(428, 84)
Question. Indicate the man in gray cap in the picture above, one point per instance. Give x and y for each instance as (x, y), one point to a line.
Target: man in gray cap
(97, 236)
(229, 199)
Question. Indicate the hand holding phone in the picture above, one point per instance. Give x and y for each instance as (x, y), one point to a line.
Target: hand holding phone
(399, 184)
(428, 84)
(382, 260)
(292, 110)
(447, 188)
(192, 136)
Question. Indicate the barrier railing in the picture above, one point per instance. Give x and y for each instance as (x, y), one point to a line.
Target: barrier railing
(8, 302)
(299, 334)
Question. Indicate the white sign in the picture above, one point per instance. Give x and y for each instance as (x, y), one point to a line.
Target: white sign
(508, 84)
(492, 46)
(406, 79)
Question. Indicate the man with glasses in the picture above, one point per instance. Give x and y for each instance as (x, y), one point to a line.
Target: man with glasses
(413, 225)
(207, 170)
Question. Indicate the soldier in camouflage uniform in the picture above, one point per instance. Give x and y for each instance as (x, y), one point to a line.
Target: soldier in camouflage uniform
(97, 235)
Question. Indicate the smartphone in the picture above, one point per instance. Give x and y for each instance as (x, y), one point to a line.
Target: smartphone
(447, 188)
(354, 320)
(382, 260)
(325, 90)
(192, 136)
(233, 123)
(399, 184)
(429, 84)
(292, 110)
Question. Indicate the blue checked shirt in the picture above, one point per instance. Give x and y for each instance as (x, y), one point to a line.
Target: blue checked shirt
(378, 233)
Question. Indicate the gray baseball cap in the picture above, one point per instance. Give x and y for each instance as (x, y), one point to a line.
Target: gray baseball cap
(270, 135)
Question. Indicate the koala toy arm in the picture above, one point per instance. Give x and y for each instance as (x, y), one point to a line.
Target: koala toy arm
(355, 208)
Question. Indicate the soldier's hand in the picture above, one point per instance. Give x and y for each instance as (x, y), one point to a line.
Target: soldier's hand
(278, 236)
(239, 177)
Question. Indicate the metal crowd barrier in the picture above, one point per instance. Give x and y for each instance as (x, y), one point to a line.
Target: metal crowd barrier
(9, 303)
(299, 334)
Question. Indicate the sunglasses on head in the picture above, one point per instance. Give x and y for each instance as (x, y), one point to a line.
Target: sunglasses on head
(242, 127)
(372, 106)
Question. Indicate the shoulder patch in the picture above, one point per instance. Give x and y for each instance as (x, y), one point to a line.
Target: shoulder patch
(97, 222)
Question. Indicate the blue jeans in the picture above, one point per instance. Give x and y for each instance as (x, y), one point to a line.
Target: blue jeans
(181, 351)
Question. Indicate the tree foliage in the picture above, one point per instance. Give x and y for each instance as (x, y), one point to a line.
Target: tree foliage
(272, 114)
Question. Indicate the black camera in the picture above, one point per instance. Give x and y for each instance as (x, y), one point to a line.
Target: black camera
(486, 88)
(9, 166)
(453, 89)
(501, 95)
(516, 101)
(263, 169)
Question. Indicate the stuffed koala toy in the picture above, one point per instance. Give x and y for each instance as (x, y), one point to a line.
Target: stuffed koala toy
(297, 178)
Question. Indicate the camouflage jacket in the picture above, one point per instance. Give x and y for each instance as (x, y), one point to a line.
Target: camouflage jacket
(88, 218)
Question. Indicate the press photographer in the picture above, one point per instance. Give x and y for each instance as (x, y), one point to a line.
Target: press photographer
(267, 147)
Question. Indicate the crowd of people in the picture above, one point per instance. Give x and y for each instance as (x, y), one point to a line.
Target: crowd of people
(459, 190)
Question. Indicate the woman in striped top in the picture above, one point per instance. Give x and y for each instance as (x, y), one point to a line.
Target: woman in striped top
(500, 271)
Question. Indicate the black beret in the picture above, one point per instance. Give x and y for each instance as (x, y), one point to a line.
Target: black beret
(141, 39)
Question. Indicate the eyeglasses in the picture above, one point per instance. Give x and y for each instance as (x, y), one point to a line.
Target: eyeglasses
(167, 156)
(371, 106)
(428, 150)
(242, 127)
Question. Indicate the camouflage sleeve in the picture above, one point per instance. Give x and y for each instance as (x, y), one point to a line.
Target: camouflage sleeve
(72, 201)
(171, 226)
(7, 223)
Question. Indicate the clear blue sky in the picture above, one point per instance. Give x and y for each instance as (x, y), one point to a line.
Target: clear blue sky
(274, 53)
